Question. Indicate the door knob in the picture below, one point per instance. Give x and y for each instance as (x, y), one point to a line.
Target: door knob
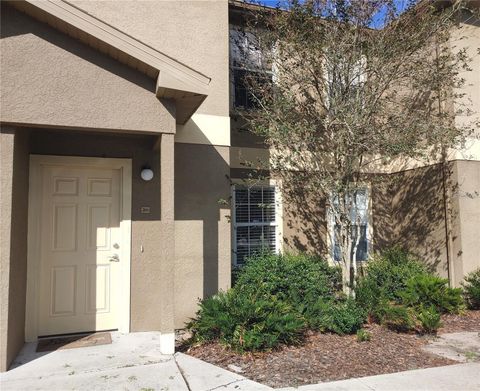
(114, 258)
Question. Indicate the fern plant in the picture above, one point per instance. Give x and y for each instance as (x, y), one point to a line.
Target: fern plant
(428, 290)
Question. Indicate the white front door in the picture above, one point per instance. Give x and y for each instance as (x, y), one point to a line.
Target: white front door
(79, 248)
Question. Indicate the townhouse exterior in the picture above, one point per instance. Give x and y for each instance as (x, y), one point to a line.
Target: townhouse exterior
(123, 164)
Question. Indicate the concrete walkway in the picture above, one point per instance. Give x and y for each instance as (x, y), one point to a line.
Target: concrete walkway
(462, 377)
(133, 362)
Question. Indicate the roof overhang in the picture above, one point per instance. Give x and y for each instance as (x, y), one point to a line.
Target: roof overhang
(187, 87)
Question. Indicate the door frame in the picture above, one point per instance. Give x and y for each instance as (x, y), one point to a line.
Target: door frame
(37, 163)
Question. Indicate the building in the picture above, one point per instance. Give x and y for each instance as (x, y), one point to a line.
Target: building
(96, 97)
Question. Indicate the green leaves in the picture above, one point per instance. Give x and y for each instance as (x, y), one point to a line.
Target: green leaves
(244, 323)
(427, 290)
(337, 316)
(429, 319)
(275, 298)
(386, 276)
(471, 289)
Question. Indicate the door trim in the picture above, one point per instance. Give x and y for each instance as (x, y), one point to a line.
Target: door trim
(37, 162)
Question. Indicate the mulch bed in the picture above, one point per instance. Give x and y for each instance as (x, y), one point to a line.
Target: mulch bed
(328, 357)
(456, 323)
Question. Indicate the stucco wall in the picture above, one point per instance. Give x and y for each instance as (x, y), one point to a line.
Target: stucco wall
(203, 239)
(409, 211)
(465, 218)
(192, 32)
(52, 80)
(13, 248)
(468, 38)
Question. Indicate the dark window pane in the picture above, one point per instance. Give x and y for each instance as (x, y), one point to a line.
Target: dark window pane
(243, 97)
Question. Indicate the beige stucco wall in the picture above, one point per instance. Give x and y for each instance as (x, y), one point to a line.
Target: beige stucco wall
(13, 241)
(409, 211)
(203, 256)
(52, 80)
(192, 32)
(465, 218)
(468, 38)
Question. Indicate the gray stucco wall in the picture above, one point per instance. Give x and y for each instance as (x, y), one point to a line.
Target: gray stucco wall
(52, 80)
(202, 256)
(13, 250)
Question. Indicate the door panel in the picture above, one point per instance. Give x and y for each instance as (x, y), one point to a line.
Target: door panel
(79, 244)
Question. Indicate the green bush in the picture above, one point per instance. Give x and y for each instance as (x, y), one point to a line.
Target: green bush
(245, 323)
(429, 319)
(299, 280)
(471, 289)
(428, 290)
(396, 317)
(340, 316)
(363, 335)
(267, 305)
(385, 276)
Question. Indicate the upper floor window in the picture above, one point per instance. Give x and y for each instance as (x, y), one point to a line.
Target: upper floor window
(243, 96)
(248, 66)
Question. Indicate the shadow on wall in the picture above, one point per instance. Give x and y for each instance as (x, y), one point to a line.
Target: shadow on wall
(201, 180)
(305, 225)
(14, 23)
(409, 211)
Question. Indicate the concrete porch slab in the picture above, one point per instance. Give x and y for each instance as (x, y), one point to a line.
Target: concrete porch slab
(132, 362)
(202, 376)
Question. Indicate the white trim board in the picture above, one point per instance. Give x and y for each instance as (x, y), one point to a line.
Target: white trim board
(205, 129)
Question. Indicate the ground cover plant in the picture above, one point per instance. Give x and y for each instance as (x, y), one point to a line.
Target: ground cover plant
(471, 289)
(278, 297)
(274, 300)
(399, 292)
(289, 314)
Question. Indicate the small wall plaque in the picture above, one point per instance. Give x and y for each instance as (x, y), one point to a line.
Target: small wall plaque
(145, 209)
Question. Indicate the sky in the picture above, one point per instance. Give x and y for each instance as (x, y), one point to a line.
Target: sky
(401, 4)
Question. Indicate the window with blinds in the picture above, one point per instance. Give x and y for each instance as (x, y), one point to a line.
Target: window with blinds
(254, 221)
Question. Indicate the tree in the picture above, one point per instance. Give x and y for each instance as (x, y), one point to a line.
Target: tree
(347, 100)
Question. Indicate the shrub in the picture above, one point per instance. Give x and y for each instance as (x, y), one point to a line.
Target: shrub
(471, 289)
(396, 317)
(429, 319)
(363, 335)
(245, 323)
(340, 317)
(428, 290)
(299, 280)
(386, 275)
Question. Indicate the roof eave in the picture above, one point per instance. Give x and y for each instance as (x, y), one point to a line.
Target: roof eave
(174, 80)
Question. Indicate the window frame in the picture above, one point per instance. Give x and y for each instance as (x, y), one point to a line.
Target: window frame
(278, 223)
(234, 83)
(369, 230)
